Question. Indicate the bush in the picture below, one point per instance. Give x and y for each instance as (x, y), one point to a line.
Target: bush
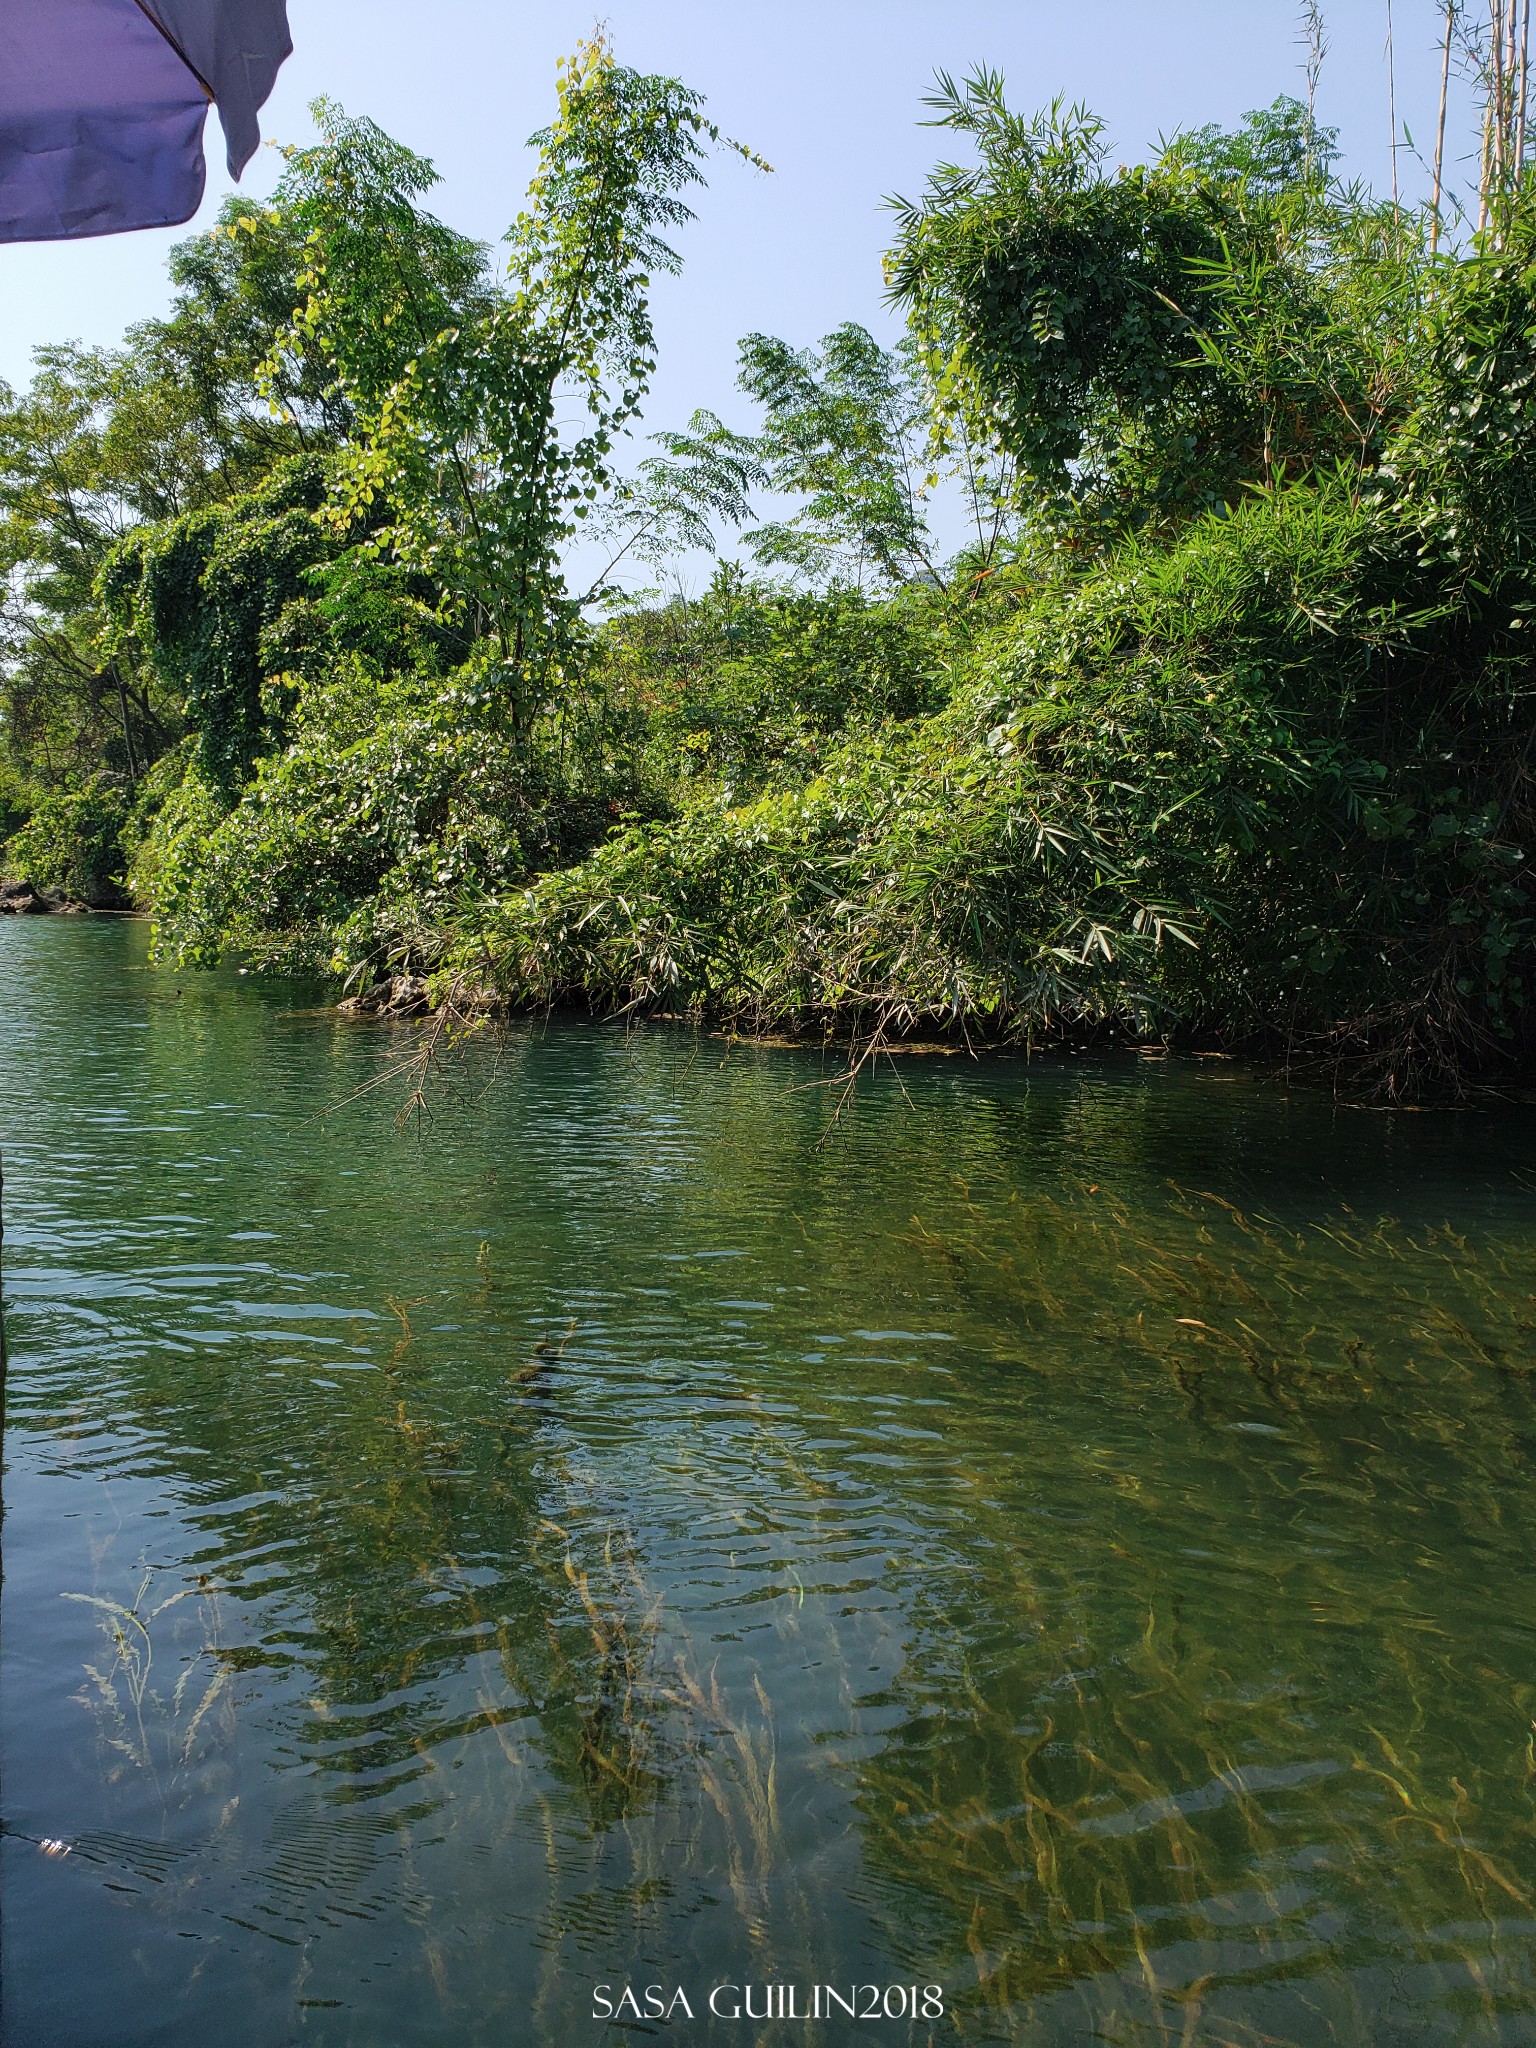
(73, 841)
(394, 803)
(1259, 781)
(17, 797)
(751, 684)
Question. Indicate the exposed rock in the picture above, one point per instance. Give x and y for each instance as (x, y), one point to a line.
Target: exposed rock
(18, 898)
(25, 899)
(397, 995)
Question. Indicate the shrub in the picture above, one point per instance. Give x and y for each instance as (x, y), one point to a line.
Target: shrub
(1255, 782)
(394, 802)
(17, 797)
(73, 841)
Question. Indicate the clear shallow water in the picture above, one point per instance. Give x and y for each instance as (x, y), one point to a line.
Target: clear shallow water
(1071, 1539)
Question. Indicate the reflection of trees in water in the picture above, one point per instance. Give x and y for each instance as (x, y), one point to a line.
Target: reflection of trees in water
(417, 1539)
(474, 1545)
(474, 1604)
(1070, 1798)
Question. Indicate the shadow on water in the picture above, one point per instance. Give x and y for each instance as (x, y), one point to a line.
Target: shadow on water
(1069, 1539)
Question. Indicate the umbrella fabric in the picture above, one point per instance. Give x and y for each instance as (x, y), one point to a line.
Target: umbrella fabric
(102, 104)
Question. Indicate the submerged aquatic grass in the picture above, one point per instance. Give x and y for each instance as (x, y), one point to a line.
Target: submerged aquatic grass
(139, 1724)
(1066, 1538)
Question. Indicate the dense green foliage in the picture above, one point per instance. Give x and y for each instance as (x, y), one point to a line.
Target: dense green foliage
(198, 593)
(1216, 719)
(71, 841)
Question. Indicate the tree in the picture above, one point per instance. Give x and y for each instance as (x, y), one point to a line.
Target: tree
(456, 386)
(107, 441)
(845, 429)
(676, 501)
(1150, 343)
(195, 596)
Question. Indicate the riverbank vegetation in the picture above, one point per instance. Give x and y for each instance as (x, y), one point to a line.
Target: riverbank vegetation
(1218, 721)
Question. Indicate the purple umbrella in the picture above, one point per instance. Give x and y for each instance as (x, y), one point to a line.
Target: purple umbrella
(102, 105)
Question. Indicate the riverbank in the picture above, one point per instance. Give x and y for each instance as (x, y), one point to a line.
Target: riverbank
(22, 897)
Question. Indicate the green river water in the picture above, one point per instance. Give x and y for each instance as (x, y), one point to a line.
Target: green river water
(1069, 1540)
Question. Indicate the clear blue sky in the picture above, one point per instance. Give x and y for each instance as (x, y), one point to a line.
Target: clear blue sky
(827, 90)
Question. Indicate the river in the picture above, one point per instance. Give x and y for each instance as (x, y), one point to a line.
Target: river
(1064, 1536)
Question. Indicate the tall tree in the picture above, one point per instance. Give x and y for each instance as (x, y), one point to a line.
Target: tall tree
(105, 441)
(458, 387)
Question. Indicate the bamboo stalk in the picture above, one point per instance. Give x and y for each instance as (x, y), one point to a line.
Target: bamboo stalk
(1496, 102)
(1511, 10)
(1511, 73)
(1510, 109)
(1445, 88)
(1316, 39)
(1392, 112)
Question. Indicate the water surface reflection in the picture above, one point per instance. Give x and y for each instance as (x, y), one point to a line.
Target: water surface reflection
(1069, 1538)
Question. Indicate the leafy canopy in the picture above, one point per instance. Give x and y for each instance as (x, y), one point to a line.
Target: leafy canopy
(1152, 341)
(458, 386)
